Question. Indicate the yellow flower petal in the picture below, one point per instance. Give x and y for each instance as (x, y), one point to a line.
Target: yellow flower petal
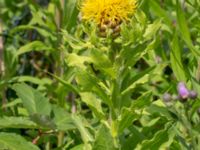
(103, 11)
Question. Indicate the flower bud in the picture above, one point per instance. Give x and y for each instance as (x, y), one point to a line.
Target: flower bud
(102, 28)
(193, 94)
(183, 91)
(167, 97)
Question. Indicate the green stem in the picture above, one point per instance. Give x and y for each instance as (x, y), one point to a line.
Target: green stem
(48, 146)
(198, 72)
(60, 55)
(60, 138)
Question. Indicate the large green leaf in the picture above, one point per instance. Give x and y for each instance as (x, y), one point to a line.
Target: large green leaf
(30, 79)
(33, 46)
(90, 83)
(156, 8)
(176, 61)
(126, 119)
(142, 101)
(13, 141)
(102, 62)
(73, 60)
(134, 138)
(70, 13)
(93, 102)
(161, 140)
(142, 80)
(17, 122)
(182, 23)
(62, 119)
(67, 84)
(33, 100)
(158, 108)
(85, 134)
(104, 140)
(152, 29)
(43, 121)
(42, 31)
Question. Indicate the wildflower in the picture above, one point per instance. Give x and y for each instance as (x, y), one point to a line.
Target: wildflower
(167, 97)
(193, 94)
(108, 13)
(183, 91)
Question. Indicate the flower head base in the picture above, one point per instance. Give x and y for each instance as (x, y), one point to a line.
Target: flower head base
(107, 13)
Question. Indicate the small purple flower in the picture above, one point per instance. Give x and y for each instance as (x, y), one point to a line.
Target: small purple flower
(183, 91)
(193, 94)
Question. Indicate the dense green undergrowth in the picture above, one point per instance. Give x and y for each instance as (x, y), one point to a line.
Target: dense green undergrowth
(65, 87)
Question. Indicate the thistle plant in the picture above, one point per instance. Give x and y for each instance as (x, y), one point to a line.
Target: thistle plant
(105, 65)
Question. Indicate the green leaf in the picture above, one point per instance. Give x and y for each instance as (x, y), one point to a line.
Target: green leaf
(78, 147)
(62, 119)
(17, 122)
(70, 13)
(104, 140)
(73, 60)
(12, 103)
(33, 100)
(93, 102)
(65, 83)
(33, 46)
(182, 23)
(43, 120)
(34, 80)
(152, 29)
(161, 139)
(102, 62)
(134, 138)
(126, 119)
(82, 147)
(13, 141)
(160, 110)
(132, 56)
(156, 9)
(42, 31)
(90, 83)
(176, 62)
(142, 80)
(85, 134)
(142, 101)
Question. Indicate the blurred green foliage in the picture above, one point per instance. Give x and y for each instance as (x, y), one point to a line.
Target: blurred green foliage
(64, 87)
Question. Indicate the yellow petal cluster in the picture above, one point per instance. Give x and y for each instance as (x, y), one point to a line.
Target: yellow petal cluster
(104, 11)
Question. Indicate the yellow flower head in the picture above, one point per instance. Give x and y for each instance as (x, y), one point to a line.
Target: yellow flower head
(106, 11)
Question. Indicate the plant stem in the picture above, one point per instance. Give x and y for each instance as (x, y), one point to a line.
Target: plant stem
(198, 72)
(4, 101)
(1, 51)
(60, 138)
(60, 55)
(48, 146)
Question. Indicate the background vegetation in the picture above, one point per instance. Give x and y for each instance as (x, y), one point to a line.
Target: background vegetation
(62, 86)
